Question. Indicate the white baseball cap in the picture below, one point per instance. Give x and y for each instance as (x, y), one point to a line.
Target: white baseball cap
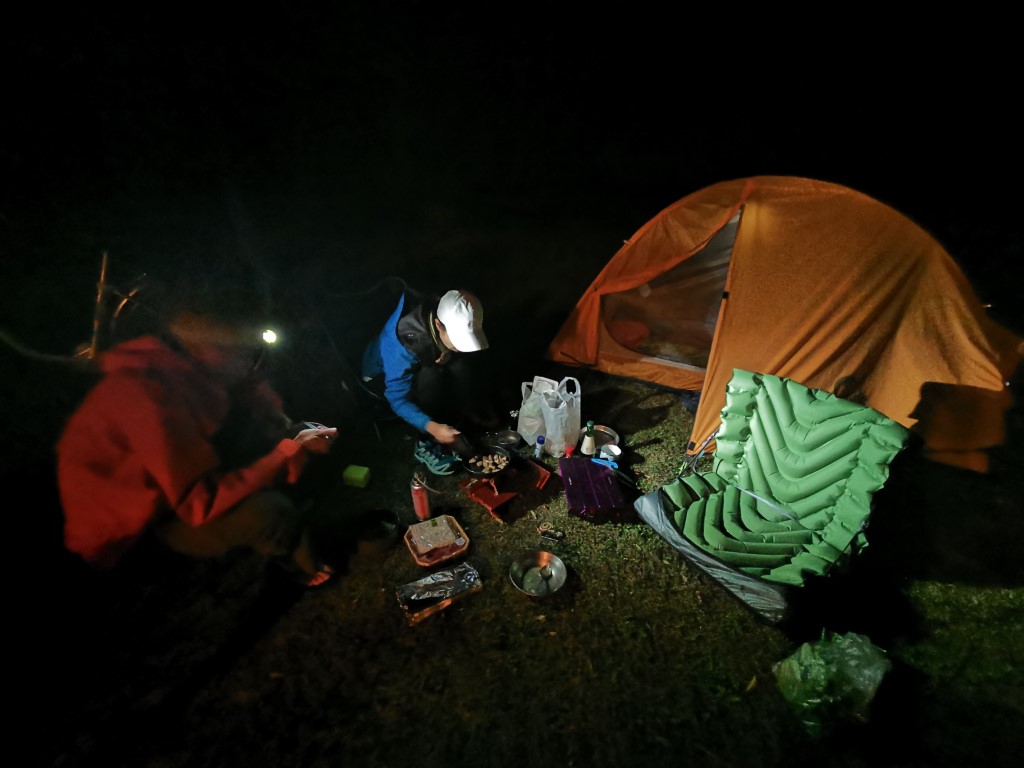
(463, 318)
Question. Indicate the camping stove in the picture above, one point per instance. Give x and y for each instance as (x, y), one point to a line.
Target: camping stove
(485, 491)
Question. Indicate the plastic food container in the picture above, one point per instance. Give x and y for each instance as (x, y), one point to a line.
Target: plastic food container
(435, 540)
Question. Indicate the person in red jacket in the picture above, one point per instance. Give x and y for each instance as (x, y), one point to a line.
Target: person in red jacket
(182, 440)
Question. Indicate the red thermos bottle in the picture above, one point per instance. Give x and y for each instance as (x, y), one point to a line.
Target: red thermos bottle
(420, 497)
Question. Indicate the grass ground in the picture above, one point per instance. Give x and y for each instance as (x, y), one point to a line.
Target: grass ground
(639, 660)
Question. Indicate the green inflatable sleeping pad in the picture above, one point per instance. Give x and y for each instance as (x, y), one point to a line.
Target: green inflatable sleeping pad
(794, 473)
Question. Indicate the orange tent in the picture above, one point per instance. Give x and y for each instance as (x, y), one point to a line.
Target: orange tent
(809, 281)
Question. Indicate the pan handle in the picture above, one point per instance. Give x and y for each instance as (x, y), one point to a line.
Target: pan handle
(463, 447)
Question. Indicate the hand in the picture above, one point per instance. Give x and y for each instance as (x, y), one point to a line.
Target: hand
(318, 439)
(444, 434)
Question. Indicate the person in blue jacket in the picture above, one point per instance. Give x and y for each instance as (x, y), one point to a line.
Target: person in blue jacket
(416, 359)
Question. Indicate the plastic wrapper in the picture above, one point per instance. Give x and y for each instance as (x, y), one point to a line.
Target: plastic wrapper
(832, 679)
(431, 594)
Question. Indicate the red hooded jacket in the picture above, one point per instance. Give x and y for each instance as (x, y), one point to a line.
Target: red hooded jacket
(140, 448)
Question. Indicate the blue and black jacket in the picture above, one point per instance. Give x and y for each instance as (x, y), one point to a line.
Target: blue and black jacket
(408, 341)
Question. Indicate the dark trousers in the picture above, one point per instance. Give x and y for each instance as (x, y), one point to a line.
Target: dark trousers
(267, 522)
(449, 394)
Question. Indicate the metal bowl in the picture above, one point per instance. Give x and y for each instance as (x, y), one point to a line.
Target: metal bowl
(602, 435)
(538, 573)
(507, 438)
(473, 467)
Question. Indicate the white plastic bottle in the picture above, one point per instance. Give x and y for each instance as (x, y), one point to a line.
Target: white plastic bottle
(538, 448)
(589, 445)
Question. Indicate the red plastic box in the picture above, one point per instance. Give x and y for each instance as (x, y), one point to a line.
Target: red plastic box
(435, 540)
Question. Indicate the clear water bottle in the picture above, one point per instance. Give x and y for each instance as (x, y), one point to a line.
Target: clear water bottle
(538, 448)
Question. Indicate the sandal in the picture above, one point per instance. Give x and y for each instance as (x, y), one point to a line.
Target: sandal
(289, 573)
(321, 578)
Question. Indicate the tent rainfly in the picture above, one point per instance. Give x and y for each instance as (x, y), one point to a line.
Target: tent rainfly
(807, 280)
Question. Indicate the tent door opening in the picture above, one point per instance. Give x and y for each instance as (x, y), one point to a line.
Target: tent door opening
(673, 317)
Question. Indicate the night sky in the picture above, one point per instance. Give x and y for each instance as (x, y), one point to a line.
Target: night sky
(338, 131)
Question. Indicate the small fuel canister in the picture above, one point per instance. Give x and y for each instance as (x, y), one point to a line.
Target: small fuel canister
(420, 496)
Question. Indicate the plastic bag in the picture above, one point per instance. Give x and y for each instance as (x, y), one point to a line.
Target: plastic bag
(531, 417)
(833, 678)
(561, 409)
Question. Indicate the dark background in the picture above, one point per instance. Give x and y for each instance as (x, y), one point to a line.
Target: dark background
(332, 145)
(510, 148)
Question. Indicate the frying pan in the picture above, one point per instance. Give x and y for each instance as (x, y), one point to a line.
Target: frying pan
(506, 438)
(487, 451)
